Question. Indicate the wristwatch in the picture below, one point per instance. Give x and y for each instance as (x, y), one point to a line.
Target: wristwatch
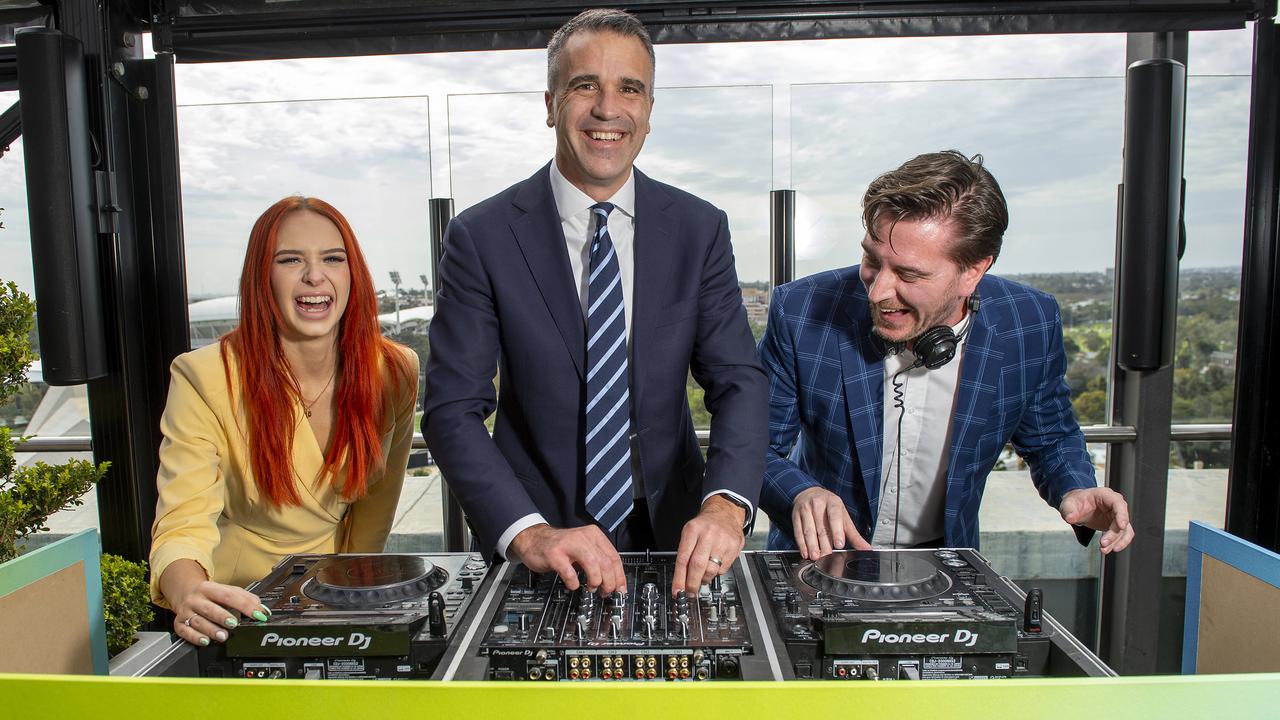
(746, 508)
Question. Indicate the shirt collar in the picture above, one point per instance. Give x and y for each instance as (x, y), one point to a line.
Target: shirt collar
(571, 201)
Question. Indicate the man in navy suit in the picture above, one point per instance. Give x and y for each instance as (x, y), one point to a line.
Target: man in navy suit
(531, 280)
(895, 384)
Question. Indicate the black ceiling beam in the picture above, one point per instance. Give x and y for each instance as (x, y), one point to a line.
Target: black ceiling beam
(254, 30)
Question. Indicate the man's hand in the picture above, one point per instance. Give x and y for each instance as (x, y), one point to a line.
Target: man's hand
(714, 534)
(822, 524)
(542, 548)
(1101, 509)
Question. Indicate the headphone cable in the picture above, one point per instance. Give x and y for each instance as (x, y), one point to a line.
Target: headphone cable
(900, 403)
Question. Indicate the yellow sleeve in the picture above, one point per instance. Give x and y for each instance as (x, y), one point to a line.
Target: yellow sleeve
(189, 482)
(370, 517)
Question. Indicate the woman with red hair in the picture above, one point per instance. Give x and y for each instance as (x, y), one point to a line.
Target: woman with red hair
(289, 435)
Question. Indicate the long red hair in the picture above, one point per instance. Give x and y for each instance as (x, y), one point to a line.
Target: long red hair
(268, 387)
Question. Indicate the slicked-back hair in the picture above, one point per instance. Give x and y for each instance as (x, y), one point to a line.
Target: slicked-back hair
(942, 186)
(619, 22)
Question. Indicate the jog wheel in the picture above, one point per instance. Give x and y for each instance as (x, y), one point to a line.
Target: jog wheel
(876, 576)
(366, 581)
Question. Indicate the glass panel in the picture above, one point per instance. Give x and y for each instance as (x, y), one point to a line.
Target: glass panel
(38, 410)
(1217, 132)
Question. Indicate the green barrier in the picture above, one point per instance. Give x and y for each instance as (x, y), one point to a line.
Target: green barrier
(1210, 696)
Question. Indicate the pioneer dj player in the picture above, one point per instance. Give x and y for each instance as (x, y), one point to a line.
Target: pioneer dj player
(911, 615)
(352, 617)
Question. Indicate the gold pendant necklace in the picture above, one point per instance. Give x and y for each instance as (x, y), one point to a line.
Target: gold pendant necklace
(306, 406)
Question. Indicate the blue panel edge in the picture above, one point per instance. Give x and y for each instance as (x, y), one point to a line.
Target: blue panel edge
(80, 547)
(1248, 558)
(1191, 614)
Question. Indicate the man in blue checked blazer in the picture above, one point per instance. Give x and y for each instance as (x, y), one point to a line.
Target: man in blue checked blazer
(595, 291)
(895, 384)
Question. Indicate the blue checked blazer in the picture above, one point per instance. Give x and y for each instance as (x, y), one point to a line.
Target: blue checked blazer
(826, 388)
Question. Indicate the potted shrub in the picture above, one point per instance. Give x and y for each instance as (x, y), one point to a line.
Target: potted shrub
(46, 593)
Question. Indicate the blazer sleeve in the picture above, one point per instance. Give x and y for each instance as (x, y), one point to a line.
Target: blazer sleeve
(1048, 436)
(189, 483)
(783, 479)
(370, 517)
(725, 364)
(460, 392)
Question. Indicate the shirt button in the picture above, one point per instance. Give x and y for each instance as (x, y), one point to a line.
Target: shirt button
(884, 522)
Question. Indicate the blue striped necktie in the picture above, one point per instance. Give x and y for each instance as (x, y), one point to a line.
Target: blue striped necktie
(608, 411)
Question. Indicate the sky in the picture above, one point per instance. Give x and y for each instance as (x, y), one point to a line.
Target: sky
(379, 136)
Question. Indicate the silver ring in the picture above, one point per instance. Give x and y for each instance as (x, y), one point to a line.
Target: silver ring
(187, 622)
(716, 560)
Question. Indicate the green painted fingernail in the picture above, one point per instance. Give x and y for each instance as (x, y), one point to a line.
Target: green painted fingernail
(204, 642)
(259, 616)
(230, 622)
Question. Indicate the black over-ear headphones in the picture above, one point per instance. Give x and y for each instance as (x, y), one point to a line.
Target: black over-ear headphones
(936, 346)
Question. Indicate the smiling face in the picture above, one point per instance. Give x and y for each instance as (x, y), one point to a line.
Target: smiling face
(600, 109)
(912, 282)
(310, 278)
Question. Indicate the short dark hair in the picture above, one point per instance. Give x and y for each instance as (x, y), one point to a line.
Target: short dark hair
(596, 20)
(943, 185)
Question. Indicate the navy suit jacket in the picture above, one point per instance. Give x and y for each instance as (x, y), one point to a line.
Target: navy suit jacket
(826, 391)
(508, 302)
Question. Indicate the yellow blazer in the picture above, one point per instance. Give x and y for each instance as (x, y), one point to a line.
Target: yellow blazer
(209, 509)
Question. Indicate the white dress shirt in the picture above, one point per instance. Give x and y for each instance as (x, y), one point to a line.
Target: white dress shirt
(574, 208)
(913, 504)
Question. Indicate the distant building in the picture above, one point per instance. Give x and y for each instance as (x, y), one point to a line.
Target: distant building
(756, 301)
(211, 319)
(1223, 359)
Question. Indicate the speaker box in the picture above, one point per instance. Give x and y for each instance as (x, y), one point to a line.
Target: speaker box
(52, 86)
(1150, 214)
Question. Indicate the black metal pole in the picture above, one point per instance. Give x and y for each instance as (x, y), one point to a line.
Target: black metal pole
(455, 524)
(782, 237)
(1142, 392)
(1253, 485)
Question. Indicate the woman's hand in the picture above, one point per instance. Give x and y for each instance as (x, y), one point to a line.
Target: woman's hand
(206, 611)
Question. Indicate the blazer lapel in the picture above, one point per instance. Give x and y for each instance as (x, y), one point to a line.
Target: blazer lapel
(541, 239)
(975, 397)
(862, 366)
(653, 249)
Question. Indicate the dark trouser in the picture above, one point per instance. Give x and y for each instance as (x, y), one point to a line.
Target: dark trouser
(635, 534)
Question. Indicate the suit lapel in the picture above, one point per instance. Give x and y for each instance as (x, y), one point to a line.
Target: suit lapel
(653, 248)
(862, 367)
(975, 397)
(541, 239)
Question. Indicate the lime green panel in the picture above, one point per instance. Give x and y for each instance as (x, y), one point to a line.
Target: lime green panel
(1221, 696)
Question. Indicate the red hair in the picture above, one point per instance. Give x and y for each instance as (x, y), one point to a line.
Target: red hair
(269, 389)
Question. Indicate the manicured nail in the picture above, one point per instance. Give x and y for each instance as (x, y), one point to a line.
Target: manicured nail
(221, 635)
(204, 641)
(259, 616)
(230, 622)
(266, 610)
